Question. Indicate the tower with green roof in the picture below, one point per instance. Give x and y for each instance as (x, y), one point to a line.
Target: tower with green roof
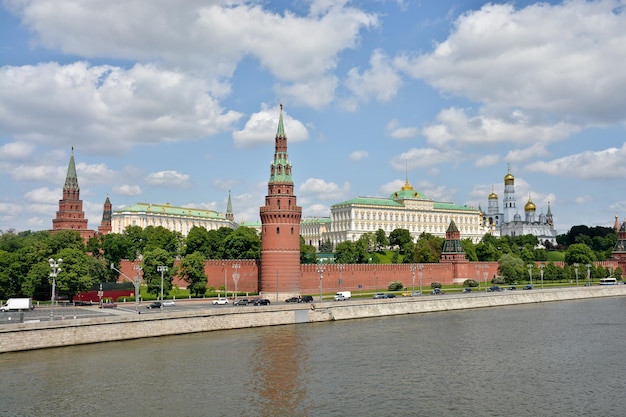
(280, 226)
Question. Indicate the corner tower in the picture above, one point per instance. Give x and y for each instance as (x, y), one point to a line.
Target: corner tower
(107, 212)
(280, 226)
(70, 215)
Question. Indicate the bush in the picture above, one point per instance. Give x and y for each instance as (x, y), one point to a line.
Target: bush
(395, 286)
(470, 283)
(435, 284)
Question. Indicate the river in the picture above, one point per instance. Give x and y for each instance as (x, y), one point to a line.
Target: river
(548, 359)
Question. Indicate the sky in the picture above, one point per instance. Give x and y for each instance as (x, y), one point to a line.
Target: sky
(178, 102)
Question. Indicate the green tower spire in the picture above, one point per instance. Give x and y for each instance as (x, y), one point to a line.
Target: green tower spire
(71, 179)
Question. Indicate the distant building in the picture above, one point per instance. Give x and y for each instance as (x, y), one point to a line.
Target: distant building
(509, 222)
(70, 215)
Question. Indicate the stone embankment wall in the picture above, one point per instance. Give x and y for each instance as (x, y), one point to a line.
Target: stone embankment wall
(28, 336)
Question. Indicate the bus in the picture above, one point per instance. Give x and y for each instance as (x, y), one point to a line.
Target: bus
(608, 281)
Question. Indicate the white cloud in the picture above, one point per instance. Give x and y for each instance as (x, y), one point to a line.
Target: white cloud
(358, 155)
(168, 178)
(396, 131)
(606, 164)
(454, 125)
(322, 190)
(16, 151)
(127, 189)
(43, 195)
(106, 109)
(550, 59)
(421, 158)
(532, 152)
(314, 93)
(261, 128)
(381, 81)
(487, 160)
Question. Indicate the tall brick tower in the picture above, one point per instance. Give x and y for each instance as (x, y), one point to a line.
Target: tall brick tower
(70, 215)
(107, 212)
(280, 227)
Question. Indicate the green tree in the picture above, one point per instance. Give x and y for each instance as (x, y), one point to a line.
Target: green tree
(191, 269)
(243, 243)
(346, 253)
(326, 246)
(381, 240)
(307, 253)
(579, 253)
(198, 240)
(511, 268)
(75, 276)
(151, 276)
(399, 237)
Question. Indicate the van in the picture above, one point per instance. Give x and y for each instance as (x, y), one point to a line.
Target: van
(344, 295)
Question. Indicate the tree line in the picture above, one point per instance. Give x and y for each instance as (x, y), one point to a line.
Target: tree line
(24, 256)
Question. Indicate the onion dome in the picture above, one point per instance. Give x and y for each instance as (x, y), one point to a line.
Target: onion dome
(530, 206)
(509, 179)
(493, 195)
(517, 218)
(407, 192)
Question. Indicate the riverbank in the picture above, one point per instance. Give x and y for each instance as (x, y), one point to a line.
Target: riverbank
(40, 335)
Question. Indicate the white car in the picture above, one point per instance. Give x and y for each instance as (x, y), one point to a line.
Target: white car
(169, 303)
(220, 301)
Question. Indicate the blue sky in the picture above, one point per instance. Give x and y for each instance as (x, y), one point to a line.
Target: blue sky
(178, 102)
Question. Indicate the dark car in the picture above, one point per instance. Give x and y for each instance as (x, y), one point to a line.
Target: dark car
(494, 288)
(306, 299)
(466, 290)
(293, 300)
(512, 288)
(155, 304)
(261, 302)
(437, 291)
(242, 302)
(391, 296)
(528, 287)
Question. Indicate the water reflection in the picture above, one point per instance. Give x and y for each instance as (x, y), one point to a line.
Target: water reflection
(278, 371)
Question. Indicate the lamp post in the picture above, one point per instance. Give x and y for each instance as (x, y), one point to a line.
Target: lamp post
(478, 276)
(340, 267)
(320, 270)
(162, 269)
(530, 273)
(135, 282)
(419, 268)
(412, 267)
(55, 266)
(588, 274)
(485, 274)
(541, 271)
(576, 270)
(236, 277)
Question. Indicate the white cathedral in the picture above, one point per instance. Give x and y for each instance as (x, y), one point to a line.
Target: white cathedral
(510, 223)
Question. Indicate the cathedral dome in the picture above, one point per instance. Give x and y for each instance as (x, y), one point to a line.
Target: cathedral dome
(509, 178)
(406, 193)
(517, 218)
(493, 196)
(530, 206)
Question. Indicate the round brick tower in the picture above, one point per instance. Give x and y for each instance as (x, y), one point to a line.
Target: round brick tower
(280, 227)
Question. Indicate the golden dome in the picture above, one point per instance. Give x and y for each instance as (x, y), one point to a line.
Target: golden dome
(530, 206)
(493, 195)
(509, 178)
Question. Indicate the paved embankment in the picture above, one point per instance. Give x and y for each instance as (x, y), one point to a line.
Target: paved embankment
(28, 336)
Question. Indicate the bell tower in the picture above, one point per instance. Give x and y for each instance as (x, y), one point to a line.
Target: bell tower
(280, 226)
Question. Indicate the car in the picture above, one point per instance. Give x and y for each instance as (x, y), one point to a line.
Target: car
(437, 291)
(242, 302)
(261, 302)
(340, 298)
(391, 296)
(494, 288)
(169, 303)
(512, 288)
(528, 287)
(415, 293)
(293, 300)
(588, 284)
(154, 304)
(306, 299)
(466, 290)
(406, 293)
(108, 304)
(379, 295)
(220, 301)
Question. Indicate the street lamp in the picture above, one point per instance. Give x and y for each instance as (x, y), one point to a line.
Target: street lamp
(236, 277)
(478, 276)
(320, 269)
(576, 270)
(419, 268)
(530, 273)
(412, 267)
(161, 269)
(55, 266)
(340, 267)
(486, 273)
(135, 282)
(588, 274)
(541, 270)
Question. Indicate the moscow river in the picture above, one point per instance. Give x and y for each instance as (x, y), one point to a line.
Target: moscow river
(549, 359)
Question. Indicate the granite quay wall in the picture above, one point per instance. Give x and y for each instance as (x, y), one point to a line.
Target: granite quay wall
(29, 336)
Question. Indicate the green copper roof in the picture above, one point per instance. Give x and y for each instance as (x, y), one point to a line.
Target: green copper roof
(452, 206)
(281, 128)
(71, 179)
(370, 201)
(170, 210)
